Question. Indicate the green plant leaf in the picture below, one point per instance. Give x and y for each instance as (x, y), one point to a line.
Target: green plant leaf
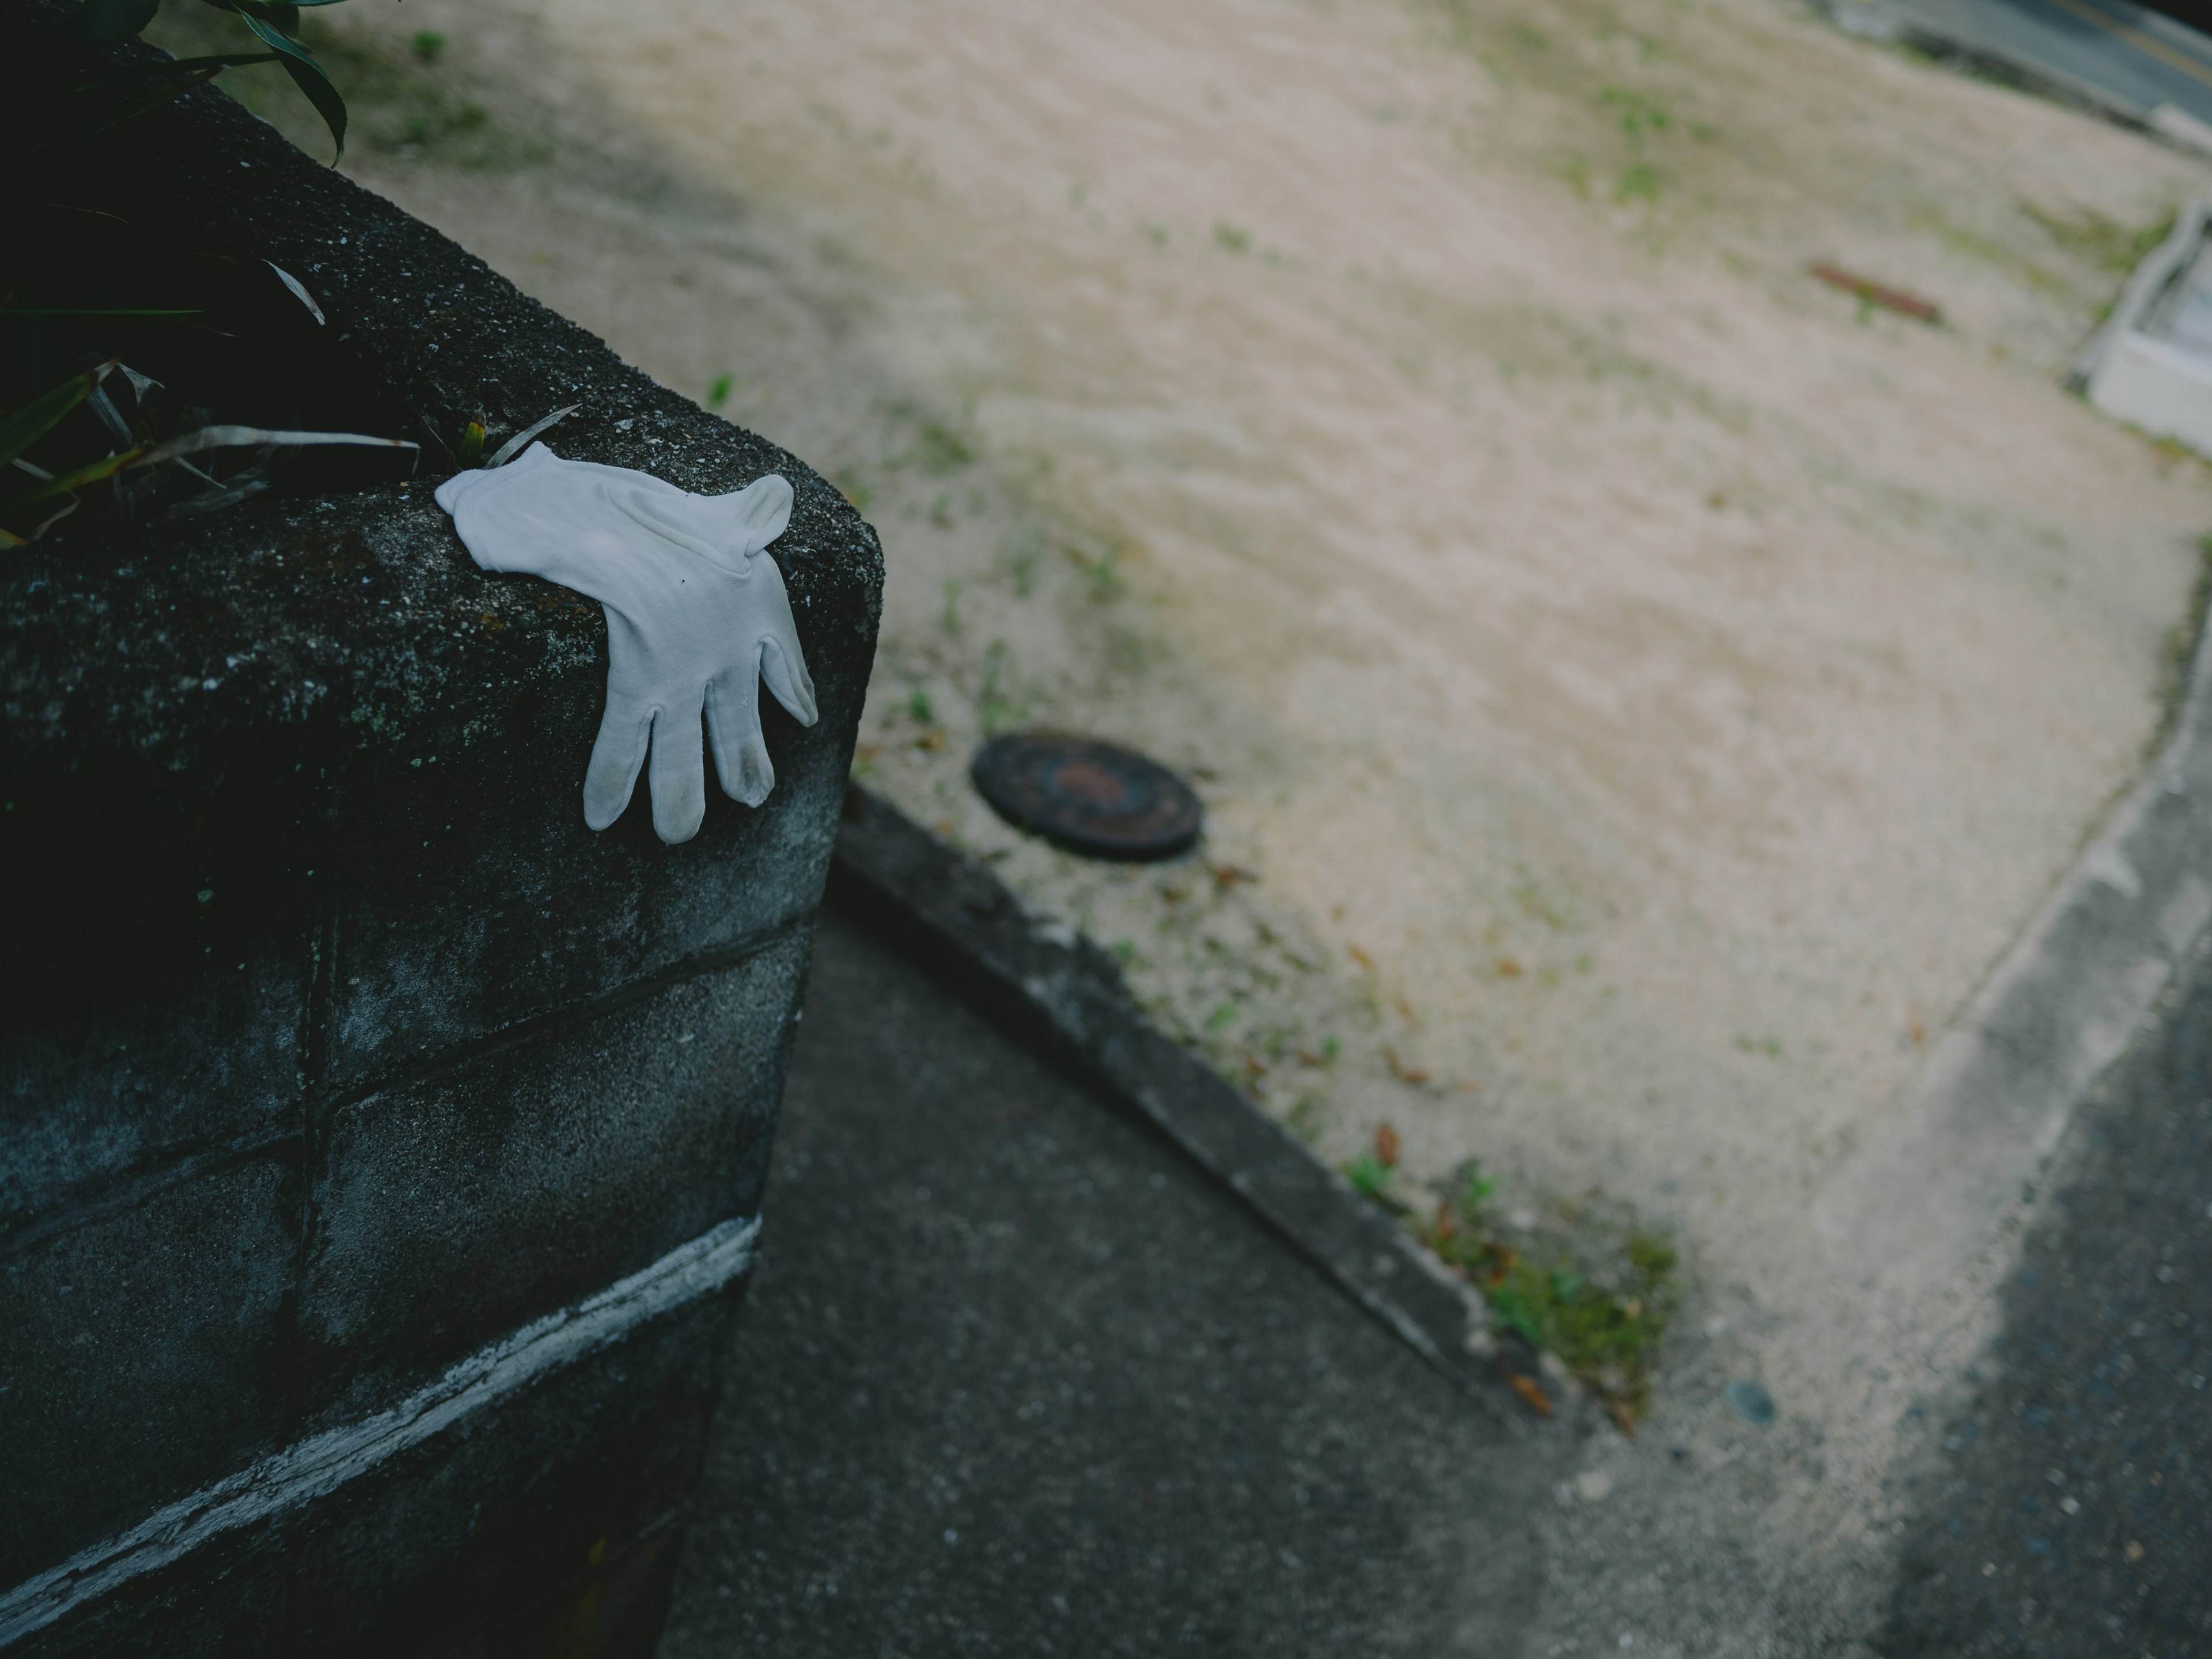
(91, 472)
(41, 415)
(104, 22)
(307, 74)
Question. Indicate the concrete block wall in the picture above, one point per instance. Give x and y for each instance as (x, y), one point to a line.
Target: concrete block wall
(335, 1052)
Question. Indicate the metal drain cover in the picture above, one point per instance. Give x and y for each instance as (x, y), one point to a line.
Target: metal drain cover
(1088, 797)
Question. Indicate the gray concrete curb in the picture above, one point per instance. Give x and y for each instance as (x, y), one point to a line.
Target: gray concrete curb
(1971, 1132)
(1060, 992)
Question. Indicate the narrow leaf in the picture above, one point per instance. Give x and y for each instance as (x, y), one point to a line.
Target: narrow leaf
(298, 290)
(41, 415)
(91, 472)
(54, 518)
(507, 450)
(236, 437)
(307, 74)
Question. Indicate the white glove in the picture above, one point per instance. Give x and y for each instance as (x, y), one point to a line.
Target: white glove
(696, 615)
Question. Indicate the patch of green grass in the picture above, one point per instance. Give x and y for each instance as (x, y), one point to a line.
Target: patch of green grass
(1306, 1118)
(1370, 1177)
(949, 621)
(918, 705)
(1991, 250)
(1102, 572)
(2110, 244)
(1604, 1318)
(1000, 710)
(1607, 1339)
(718, 393)
(1236, 239)
(428, 45)
(1640, 182)
(1639, 115)
(1023, 555)
(939, 448)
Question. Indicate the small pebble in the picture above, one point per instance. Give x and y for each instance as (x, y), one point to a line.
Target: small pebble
(1751, 1402)
(1593, 1485)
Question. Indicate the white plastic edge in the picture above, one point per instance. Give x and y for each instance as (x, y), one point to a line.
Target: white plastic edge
(2150, 276)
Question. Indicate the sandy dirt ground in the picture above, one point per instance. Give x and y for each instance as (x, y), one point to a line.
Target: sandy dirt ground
(1637, 691)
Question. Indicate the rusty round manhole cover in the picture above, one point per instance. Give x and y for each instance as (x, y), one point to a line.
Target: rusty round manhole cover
(1088, 797)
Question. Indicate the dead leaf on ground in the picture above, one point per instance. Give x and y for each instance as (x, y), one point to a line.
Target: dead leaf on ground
(1386, 1145)
(1360, 957)
(1402, 1072)
(1508, 968)
(1531, 1391)
(1226, 876)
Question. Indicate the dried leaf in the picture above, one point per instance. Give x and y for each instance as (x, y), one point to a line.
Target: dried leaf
(1530, 1391)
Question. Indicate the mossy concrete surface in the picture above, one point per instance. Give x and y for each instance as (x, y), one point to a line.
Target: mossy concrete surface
(333, 1045)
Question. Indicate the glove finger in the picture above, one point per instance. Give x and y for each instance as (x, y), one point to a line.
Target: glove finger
(733, 731)
(616, 757)
(759, 512)
(785, 670)
(678, 774)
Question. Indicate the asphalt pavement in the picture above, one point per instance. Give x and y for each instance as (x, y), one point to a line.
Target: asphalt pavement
(2123, 58)
(2067, 1508)
(1017, 1378)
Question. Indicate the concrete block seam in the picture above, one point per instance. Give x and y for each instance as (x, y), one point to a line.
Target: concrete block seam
(424, 1068)
(125, 1193)
(321, 1463)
